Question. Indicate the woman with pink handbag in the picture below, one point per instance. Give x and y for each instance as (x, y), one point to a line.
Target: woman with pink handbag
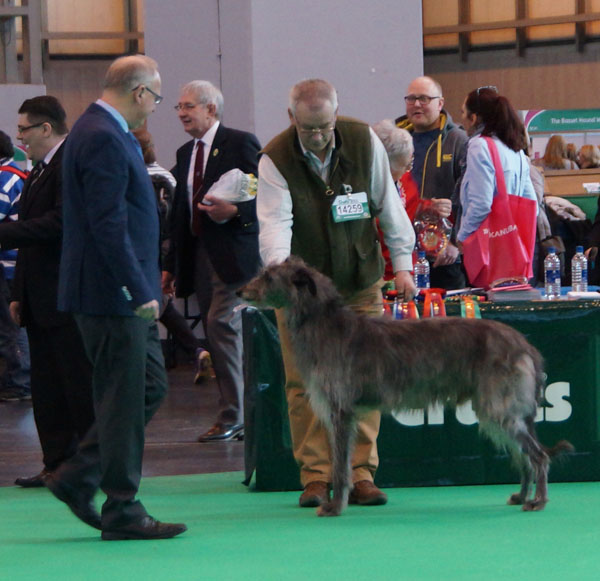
(497, 229)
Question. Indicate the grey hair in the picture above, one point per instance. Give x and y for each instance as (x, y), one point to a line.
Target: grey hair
(397, 142)
(312, 90)
(128, 72)
(206, 94)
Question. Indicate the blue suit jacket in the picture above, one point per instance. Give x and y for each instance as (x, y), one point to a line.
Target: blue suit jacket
(110, 253)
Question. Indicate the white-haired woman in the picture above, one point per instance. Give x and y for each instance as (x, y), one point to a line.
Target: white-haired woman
(399, 146)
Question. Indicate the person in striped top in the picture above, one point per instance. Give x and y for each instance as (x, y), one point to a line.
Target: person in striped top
(14, 348)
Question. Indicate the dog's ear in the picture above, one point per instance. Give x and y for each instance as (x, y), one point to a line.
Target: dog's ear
(303, 278)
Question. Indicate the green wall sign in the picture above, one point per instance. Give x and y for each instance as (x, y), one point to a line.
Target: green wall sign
(561, 120)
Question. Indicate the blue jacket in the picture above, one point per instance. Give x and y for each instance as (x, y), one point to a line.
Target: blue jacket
(11, 186)
(110, 252)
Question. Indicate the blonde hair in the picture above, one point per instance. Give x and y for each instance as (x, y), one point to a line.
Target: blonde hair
(555, 153)
(589, 156)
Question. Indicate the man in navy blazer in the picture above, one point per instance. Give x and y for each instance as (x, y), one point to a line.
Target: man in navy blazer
(214, 243)
(110, 281)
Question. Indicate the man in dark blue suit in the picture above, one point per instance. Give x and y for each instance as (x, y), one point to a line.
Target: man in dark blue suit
(110, 281)
(214, 243)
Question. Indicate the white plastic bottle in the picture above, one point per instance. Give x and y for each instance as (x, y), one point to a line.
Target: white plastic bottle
(579, 271)
(421, 271)
(552, 274)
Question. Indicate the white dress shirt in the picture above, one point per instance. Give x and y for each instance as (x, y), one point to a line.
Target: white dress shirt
(275, 209)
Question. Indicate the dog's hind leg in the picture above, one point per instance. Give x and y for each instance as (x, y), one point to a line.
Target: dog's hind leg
(540, 461)
(524, 464)
(342, 432)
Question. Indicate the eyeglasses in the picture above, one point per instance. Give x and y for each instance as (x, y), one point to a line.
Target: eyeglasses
(423, 99)
(21, 129)
(317, 130)
(491, 88)
(488, 87)
(185, 106)
(157, 98)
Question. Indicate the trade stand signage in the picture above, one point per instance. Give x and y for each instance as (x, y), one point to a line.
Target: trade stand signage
(561, 120)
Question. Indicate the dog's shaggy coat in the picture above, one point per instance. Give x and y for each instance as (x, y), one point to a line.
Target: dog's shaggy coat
(352, 362)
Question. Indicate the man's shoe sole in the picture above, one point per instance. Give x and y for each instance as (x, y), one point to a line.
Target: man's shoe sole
(125, 536)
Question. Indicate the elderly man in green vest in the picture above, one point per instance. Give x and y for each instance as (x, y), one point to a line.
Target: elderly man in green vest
(322, 183)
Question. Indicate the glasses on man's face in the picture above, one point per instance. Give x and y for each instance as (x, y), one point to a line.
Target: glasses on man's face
(423, 99)
(21, 129)
(157, 98)
(185, 106)
(316, 130)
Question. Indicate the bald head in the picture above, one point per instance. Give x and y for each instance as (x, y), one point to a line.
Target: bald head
(132, 86)
(128, 72)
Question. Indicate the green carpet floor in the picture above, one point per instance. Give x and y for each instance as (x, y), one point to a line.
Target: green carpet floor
(422, 533)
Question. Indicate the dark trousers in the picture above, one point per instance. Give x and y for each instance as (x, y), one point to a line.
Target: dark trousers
(13, 344)
(178, 326)
(129, 383)
(61, 390)
(449, 277)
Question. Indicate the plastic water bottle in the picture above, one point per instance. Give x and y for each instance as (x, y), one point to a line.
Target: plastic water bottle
(552, 274)
(421, 271)
(579, 271)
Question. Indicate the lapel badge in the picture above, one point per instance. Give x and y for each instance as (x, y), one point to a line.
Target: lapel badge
(215, 152)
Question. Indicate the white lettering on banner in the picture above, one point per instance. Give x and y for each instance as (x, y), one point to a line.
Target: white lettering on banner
(559, 410)
(498, 233)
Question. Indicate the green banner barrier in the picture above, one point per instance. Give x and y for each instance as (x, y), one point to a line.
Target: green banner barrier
(438, 446)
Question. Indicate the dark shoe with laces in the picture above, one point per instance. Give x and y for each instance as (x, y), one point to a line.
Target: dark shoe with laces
(146, 529)
(366, 493)
(36, 481)
(81, 506)
(315, 493)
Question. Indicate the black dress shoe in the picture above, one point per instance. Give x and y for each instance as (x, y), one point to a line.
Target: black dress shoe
(81, 506)
(36, 481)
(222, 432)
(146, 529)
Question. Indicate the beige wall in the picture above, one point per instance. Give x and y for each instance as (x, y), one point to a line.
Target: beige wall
(75, 83)
(556, 77)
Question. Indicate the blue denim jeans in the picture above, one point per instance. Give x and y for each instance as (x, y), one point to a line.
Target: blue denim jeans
(14, 348)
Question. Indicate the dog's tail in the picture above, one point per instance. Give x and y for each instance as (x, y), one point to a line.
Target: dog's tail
(559, 448)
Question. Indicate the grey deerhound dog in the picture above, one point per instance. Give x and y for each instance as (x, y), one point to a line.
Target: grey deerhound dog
(352, 362)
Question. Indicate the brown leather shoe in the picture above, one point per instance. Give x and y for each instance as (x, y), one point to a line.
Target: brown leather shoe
(36, 481)
(366, 494)
(315, 494)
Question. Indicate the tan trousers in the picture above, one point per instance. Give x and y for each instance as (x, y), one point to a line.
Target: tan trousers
(310, 440)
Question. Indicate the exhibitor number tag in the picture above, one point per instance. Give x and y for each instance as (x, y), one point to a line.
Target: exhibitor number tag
(350, 207)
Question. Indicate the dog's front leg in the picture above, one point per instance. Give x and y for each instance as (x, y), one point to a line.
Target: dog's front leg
(341, 432)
